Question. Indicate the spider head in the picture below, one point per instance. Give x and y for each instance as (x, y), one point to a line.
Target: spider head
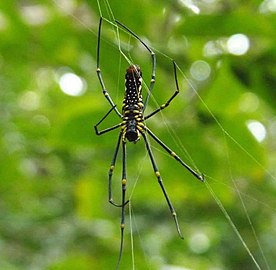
(134, 70)
(133, 136)
(132, 133)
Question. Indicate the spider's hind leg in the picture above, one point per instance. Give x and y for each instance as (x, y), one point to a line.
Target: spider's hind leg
(153, 60)
(99, 73)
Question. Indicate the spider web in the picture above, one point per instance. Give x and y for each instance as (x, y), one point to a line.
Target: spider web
(245, 199)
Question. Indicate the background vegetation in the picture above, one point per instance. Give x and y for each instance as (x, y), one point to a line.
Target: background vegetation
(54, 212)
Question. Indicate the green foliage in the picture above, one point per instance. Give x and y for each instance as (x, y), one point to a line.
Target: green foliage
(54, 212)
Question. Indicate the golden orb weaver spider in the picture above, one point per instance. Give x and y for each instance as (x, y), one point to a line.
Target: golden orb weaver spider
(133, 127)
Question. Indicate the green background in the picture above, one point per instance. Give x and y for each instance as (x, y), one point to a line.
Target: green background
(54, 210)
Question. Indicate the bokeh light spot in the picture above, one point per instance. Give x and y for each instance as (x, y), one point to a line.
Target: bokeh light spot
(257, 129)
(72, 85)
(200, 70)
(238, 44)
(29, 101)
(199, 242)
(35, 14)
(268, 6)
(249, 102)
(190, 5)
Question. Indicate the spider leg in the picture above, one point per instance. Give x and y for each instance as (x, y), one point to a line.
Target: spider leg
(104, 90)
(100, 132)
(124, 202)
(158, 176)
(174, 155)
(110, 173)
(163, 106)
(107, 129)
(153, 59)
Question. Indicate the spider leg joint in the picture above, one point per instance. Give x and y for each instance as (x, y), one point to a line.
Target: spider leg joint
(157, 173)
(173, 154)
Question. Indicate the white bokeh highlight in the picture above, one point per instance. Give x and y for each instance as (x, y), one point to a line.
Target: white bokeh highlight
(257, 129)
(238, 44)
(71, 84)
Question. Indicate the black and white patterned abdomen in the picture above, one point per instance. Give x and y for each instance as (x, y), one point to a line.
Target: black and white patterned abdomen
(133, 85)
(132, 104)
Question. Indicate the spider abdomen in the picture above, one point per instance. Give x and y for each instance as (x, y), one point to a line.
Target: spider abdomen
(133, 86)
(133, 104)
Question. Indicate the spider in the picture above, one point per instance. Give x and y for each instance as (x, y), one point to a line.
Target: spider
(132, 126)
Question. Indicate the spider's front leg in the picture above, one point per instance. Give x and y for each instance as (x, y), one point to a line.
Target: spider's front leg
(158, 176)
(124, 202)
(100, 132)
(112, 166)
(199, 176)
(110, 173)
